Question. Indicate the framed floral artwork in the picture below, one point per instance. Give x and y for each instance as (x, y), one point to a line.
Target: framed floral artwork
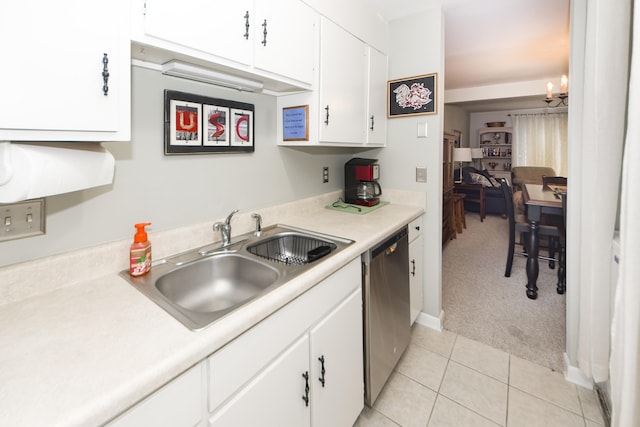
(412, 96)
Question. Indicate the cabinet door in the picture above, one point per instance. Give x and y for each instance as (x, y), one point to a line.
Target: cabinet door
(415, 278)
(289, 47)
(377, 98)
(51, 79)
(342, 86)
(274, 397)
(214, 27)
(178, 403)
(338, 341)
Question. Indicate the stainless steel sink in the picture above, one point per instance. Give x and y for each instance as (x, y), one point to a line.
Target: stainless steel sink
(292, 248)
(216, 283)
(200, 286)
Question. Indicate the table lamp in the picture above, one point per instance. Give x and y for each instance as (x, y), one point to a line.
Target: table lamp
(461, 155)
(476, 153)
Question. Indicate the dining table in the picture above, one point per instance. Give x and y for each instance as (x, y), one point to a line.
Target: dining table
(541, 200)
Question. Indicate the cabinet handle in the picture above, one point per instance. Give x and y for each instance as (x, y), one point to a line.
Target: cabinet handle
(264, 33)
(417, 228)
(246, 25)
(413, 267)
(305, 397)
(322, 370)
(372, 117)
(105, 74)
(326, 120)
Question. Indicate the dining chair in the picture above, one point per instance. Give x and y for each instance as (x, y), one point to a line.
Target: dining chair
(518, 224)
(562, 271)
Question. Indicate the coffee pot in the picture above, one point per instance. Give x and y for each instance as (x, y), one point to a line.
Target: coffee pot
(368, 191)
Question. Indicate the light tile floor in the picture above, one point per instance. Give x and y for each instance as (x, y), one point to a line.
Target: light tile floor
(444, 379)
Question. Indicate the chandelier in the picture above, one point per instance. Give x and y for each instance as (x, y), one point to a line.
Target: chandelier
(562, 97)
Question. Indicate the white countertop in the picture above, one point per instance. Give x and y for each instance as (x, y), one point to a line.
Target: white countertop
(82, 354)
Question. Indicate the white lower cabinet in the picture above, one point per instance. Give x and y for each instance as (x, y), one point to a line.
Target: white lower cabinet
(287, 389)
(178, 403)
(336, 346)
(274, 397)
(415, 268)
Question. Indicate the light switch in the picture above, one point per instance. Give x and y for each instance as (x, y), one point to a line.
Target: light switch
(22, 219)
(422, 130)
(421, 174)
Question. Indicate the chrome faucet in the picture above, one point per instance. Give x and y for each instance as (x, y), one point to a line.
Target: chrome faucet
(258, 220)
(225, 229)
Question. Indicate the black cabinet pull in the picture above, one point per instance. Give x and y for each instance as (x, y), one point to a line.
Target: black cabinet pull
(326, 120)
(372, 117)
(322, 370)
(417, 228)
(305, 397)
(413, 267)
(246, 25)
(105, 74)
(264, 33)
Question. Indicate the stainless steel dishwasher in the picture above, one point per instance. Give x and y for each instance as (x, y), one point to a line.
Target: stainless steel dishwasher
(385, 279)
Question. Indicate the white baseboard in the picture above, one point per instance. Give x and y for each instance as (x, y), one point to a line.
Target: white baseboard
(573, 374)
(431, 321)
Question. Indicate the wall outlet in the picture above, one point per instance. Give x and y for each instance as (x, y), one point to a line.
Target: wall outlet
(325, 174)
(22, 219)
(421, 174)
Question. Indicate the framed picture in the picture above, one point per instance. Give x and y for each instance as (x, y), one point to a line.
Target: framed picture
(187, 122)
(195, 124)
(216, 125)
(412, 96)
(295, 123)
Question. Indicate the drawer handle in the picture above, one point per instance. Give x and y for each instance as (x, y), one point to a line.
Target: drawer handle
(372, 122)
(413, 267)
(305, 397)
(322, 370)
(326, 120)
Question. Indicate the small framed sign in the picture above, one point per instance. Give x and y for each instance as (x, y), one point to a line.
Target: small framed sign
(295, 123)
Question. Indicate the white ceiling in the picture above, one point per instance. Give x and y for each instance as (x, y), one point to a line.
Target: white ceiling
(493, 42)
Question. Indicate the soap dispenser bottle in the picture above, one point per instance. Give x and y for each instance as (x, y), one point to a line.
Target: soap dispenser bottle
(140, 252)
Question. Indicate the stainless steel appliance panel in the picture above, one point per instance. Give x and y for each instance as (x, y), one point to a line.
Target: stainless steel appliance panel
(386, 310)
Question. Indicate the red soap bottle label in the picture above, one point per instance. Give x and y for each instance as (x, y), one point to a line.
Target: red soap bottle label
(140, 261)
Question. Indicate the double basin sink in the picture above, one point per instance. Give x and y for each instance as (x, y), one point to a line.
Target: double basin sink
(200, 286)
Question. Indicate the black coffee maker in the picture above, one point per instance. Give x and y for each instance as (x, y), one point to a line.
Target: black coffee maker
(361, 185)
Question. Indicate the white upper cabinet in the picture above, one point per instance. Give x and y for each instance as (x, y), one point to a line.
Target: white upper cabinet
(273, 39)
(51, 81)
(377, 98)
(343, 77)
(220, 28)
(289, 47)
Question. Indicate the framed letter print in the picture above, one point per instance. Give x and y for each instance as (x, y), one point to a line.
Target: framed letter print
(195, 124)
(412, 96)
(295, 123)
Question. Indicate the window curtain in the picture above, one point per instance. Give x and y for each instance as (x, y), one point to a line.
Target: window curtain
(625, 331)
(540, 139)
(604, 137)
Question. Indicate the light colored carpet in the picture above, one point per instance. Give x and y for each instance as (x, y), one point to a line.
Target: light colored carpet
(481, 304)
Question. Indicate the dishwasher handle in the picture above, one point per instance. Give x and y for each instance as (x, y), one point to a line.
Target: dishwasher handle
(390, 245)
(391, 249)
